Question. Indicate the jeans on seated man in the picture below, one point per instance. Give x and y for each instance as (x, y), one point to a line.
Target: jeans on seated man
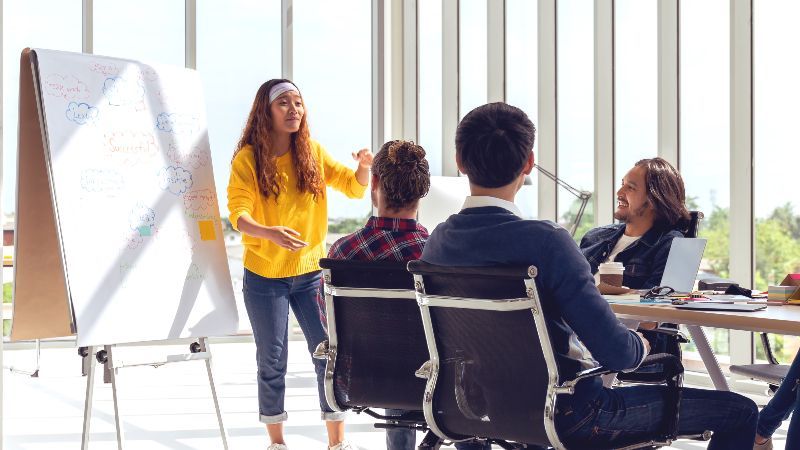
(494, 148)
(651, 209)
(400, 177)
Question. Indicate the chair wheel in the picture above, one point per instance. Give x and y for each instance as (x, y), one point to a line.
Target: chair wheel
(194, 347)
(102, 356)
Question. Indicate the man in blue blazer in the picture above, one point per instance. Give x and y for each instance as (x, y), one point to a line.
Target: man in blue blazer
(494, 148)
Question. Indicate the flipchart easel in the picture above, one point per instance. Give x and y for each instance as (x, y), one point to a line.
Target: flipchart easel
(45, 235)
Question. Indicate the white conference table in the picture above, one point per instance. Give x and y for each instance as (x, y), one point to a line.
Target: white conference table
(783, 319)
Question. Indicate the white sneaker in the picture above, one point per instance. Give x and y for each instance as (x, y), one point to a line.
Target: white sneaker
(278, 447)
(344, 445)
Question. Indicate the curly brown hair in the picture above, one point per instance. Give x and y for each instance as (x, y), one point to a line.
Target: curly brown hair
(403, 173)
(258, 133)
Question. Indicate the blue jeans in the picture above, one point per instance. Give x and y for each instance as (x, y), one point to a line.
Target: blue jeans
(636, 413)
(267, 301)
(400, 438)
(786, 399)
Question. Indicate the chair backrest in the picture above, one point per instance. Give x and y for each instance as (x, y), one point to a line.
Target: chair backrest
(692, 228)
(492, 372)
(375, 329)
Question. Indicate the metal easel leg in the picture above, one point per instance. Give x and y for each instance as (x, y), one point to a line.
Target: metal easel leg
(87, 404)
(113, 374)
(204, 348)
(35, 373)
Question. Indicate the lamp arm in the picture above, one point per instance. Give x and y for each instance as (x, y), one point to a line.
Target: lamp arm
(583, 195)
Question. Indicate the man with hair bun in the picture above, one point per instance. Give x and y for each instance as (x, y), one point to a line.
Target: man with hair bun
(400, 177)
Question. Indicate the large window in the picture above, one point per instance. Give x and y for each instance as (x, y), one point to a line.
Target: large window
(57, 26)
(575, 38)
(147, 30)
(636, 83)
(522, 76)
(705, 132)
(335, 76)
(473, 81)
(776, 96)
(430, 82)
(238, 49)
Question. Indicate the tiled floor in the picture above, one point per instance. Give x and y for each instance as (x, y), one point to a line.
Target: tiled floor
(170, 407)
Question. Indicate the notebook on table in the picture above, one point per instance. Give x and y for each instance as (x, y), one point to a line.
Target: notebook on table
(700, 306)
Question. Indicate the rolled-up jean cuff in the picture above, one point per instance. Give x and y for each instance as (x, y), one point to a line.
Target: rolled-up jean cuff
(282, 417)
(333, 416)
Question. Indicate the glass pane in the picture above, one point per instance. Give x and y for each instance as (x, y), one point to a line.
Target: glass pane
(575, 37)
(430, 82)
(522, 75)
(229, 35)
(338, 95)
(636, 83)
(147, 30)
(472, 29)
(705, 132)
(776, 95)
(59, 29)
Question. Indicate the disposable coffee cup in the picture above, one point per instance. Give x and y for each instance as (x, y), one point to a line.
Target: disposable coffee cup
(611, 273)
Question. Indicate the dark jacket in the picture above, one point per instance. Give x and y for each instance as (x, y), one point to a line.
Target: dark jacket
(573, 307)
(644, 260)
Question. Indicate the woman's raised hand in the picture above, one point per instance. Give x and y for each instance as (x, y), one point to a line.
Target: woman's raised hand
(364, 158)
(285, 237)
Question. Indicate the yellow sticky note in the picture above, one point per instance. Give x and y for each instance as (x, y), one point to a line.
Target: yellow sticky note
(207, 232)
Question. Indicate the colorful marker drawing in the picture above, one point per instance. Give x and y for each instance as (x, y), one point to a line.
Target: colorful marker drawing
(121, 91)
(177, 123)
(133, 239)
(147, 73)
(195, 158)
(200, 202)
(176, 180)
(107, 182)
(67, 87)
(142, 216)
(106, 69)
(131, 147)
(82, 113)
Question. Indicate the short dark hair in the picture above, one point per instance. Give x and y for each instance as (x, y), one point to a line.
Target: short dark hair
(493, 142)
(403, 173)
(665, 191)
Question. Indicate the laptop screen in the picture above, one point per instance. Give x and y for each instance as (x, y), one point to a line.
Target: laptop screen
(683, 263)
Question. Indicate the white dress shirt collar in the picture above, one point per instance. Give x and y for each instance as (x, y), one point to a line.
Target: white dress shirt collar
(479, 201)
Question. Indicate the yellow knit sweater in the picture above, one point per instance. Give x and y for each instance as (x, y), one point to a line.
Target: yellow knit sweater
(292, 208)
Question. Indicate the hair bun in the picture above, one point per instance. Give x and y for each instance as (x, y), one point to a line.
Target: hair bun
(405, 152)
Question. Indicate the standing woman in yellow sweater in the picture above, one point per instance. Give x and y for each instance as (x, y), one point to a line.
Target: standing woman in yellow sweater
(276, 199)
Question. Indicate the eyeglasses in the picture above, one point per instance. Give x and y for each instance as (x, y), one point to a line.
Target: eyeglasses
(659, 291)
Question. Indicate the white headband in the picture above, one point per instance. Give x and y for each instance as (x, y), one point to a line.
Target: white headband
(281, 88)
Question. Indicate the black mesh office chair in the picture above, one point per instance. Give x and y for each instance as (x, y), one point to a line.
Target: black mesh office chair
(375, 342)
(492, 374)
(670, 332)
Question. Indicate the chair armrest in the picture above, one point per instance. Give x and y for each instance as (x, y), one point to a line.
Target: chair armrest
(672, 365)
(670, 331)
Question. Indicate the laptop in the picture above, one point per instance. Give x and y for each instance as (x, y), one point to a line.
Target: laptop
(683, 263)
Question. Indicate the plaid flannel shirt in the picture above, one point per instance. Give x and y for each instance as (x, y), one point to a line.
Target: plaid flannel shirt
(381, 239)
